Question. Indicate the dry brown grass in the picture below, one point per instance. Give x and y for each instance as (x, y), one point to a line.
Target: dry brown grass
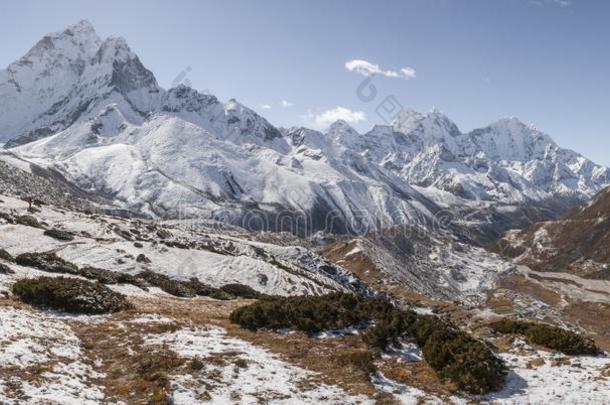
(120, 347)
(518, 283)
(593, 317)
(324, 356)
(416, 374)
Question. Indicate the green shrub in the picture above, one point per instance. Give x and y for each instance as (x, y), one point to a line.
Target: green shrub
(220, 295)
(59, 234)
(463, 360)
(241, 363)
(4, 269)
(4, 255)
(28, 220)
(174, 287)
(389, 328)
(196, 364)
(310, 314)
(240, 290)
(49, 262)
(143, 259)
(110, 277)
(70, 295)
(455, 356)
(548, 336)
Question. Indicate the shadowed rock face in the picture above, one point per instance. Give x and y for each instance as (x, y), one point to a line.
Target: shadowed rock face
(44, 184)
(578, 242)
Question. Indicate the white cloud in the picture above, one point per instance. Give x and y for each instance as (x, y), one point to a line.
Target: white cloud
(366, 68)
(286, 104)
(265, 107)
(325, 118)
(408, 72)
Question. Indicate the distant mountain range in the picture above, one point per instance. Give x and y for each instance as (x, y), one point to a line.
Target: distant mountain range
(87, 108)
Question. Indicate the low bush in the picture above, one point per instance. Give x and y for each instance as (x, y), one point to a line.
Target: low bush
(70, 295)
(455, 356)
(205, 290)
(309, 314)
(59, 234)
(240, 290)
(389, 328)
(461, 359)
(143, 259)
(110, 277)
(201, 288)
(4, 269)
(220, 295)
(4, 255)
(49, 262)
(196, 364)
(552, 337)
(174, 287)
(27, 220)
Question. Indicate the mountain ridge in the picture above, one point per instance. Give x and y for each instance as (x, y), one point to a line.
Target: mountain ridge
(115, 131)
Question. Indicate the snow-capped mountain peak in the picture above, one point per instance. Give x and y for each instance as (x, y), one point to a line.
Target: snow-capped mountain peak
(68, 76)
(109, 127)
(76, 40)
(430, 127)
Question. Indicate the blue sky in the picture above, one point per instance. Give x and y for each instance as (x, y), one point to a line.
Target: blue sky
(544, 61)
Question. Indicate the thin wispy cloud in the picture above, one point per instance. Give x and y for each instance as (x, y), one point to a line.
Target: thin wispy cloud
(286, 104)
(367, 68)
(265, 107)
(326, 118)
(560, 3)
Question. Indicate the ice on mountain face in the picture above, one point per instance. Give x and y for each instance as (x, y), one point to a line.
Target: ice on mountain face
(116, 132)
(68, 77)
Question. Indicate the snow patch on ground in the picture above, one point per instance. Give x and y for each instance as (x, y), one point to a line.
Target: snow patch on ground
(559, 380)
(29, 339)
(409, 395)
(261, 377)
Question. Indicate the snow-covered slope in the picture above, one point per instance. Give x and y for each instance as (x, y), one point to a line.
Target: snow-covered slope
(88, 108)
(178, 251)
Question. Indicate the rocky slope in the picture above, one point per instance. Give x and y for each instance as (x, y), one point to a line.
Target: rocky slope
(433, 264)
(86, 107)
(21, 178)
(578, 242)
